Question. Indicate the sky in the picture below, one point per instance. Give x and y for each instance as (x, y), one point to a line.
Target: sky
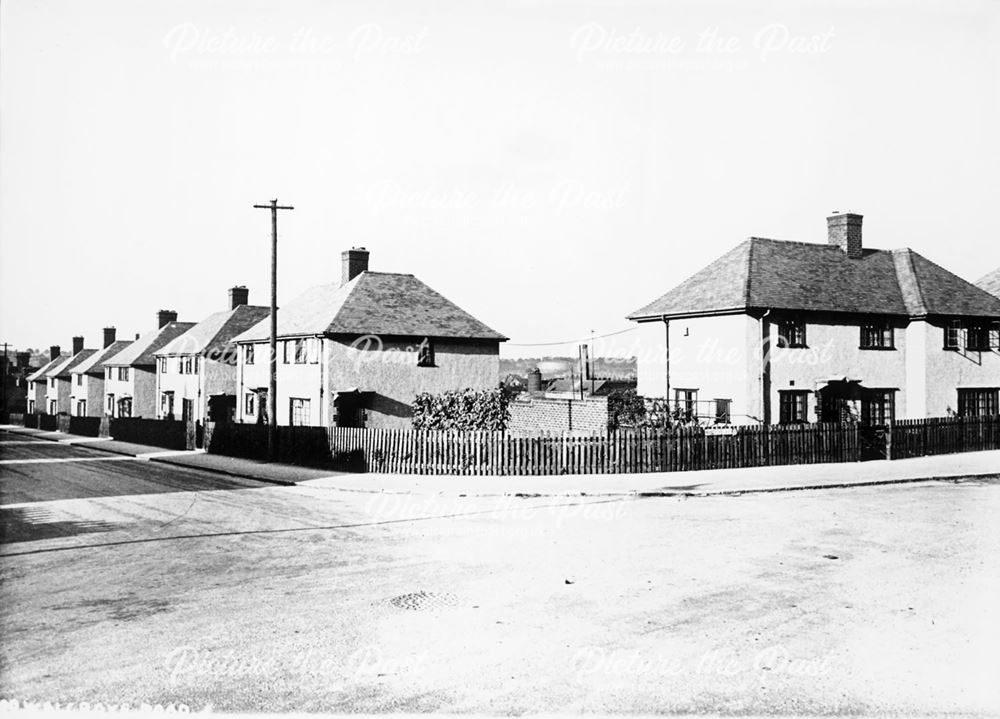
(547, 165)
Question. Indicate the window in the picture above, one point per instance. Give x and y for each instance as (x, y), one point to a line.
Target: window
(723, 409)
(995, 335)
(162, 362)
(167, 405)
(109, 372)
(953, 335)
(194, 363)
(876, 335)
(188, 365)
(878, 407)
(299, 412)
(314, 348)
(52, 382)
(686, 401)
(248, 354)
(792, 333)
(794, 406)
(980, 402)
(81, 408)
(109, 409)
(79, 380)
(301, 354)
(977, 338)
(123, 374)
(250, 404)
(425, 353)
(187, 409)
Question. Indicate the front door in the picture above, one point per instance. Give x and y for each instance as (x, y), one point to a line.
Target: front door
(838, 402)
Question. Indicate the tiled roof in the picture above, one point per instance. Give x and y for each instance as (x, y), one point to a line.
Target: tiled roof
(215, 331)
(991, 282)
(140, 352)
(40, 373)
(94, 363)
(379, 303)
(62, 369)
(762, 273)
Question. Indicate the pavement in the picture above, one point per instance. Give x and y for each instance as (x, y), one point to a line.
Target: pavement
(692, 483)
(129, 581)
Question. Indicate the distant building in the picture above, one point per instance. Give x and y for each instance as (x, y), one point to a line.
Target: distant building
(130, 375)
(357, 352)
(196, 372)
(59, 390)
(38, 383)
(991, 282)
(15, 378)
(87, 378)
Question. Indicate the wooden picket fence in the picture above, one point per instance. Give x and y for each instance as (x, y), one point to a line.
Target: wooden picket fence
(626, 451)
(943, 435)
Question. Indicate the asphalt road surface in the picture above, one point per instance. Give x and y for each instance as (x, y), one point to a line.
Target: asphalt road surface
(125, 581)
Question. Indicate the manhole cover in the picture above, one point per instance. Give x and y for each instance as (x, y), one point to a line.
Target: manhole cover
(417, 601)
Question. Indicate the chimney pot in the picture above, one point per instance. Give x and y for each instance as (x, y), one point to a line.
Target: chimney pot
(238, 295)
(353, 262)
(844, 230)
(164, 317)
(54, 352)
(77, 345)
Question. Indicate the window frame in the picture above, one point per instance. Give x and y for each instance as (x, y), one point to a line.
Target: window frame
(876, 328)
(723, 410)
(425, 353)
(884, 398)
(797, 338)
(303, 411)
(797, 399)
(248, 353)
(984, 398)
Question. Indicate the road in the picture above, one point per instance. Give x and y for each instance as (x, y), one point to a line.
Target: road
(125, 581)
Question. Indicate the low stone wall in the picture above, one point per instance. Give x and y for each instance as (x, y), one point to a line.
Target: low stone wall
(530, 415)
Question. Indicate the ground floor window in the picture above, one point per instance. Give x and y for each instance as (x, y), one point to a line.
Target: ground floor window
(31, 406)
(979, 402)
(878, 406)
(723, 411)
(109, 408)
(187, 409)
(300, 416)
(81, 408)
(166, 405)
(250, 404)
(794, 406)
(53, 406)
(686, 402)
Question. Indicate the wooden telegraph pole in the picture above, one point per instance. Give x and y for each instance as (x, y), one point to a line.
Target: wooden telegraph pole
(272, 389)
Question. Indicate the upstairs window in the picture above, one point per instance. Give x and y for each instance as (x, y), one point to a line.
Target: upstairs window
(953, 335)
(79, 380)
(301, 350)
(425, 353)
(977, 337)
(792, 333)
(248, 354)
(876, 335)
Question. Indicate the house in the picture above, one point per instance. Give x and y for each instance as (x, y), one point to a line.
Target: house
(356, 352)
(991, 282)
(777, 331)
(15, 378)
(130, 374)
(38, 384)
(87, 378)
(57, 396)
(196, 372)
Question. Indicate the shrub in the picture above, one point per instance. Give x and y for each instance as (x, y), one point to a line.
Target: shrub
(462, 409)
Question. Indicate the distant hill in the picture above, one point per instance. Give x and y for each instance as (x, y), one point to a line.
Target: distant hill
(552, 367)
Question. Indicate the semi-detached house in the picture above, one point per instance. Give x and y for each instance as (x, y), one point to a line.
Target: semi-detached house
(777, 331)
(38, 384)
(357, 352)
(130, 375)
(59, 378)
(87, 393)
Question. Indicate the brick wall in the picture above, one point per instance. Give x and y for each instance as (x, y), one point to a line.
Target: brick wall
(541, 414)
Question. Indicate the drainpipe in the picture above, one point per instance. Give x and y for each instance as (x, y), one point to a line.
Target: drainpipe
(765, 368)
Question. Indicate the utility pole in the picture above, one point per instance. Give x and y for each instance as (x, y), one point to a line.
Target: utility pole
(272, 389)
(5, 372)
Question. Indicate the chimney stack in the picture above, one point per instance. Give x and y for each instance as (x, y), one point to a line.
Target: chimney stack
(53, 352)
(353, 262)
(77, 345)
(109, 336)
(164, 317)
(238, 295)
(844, 231)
